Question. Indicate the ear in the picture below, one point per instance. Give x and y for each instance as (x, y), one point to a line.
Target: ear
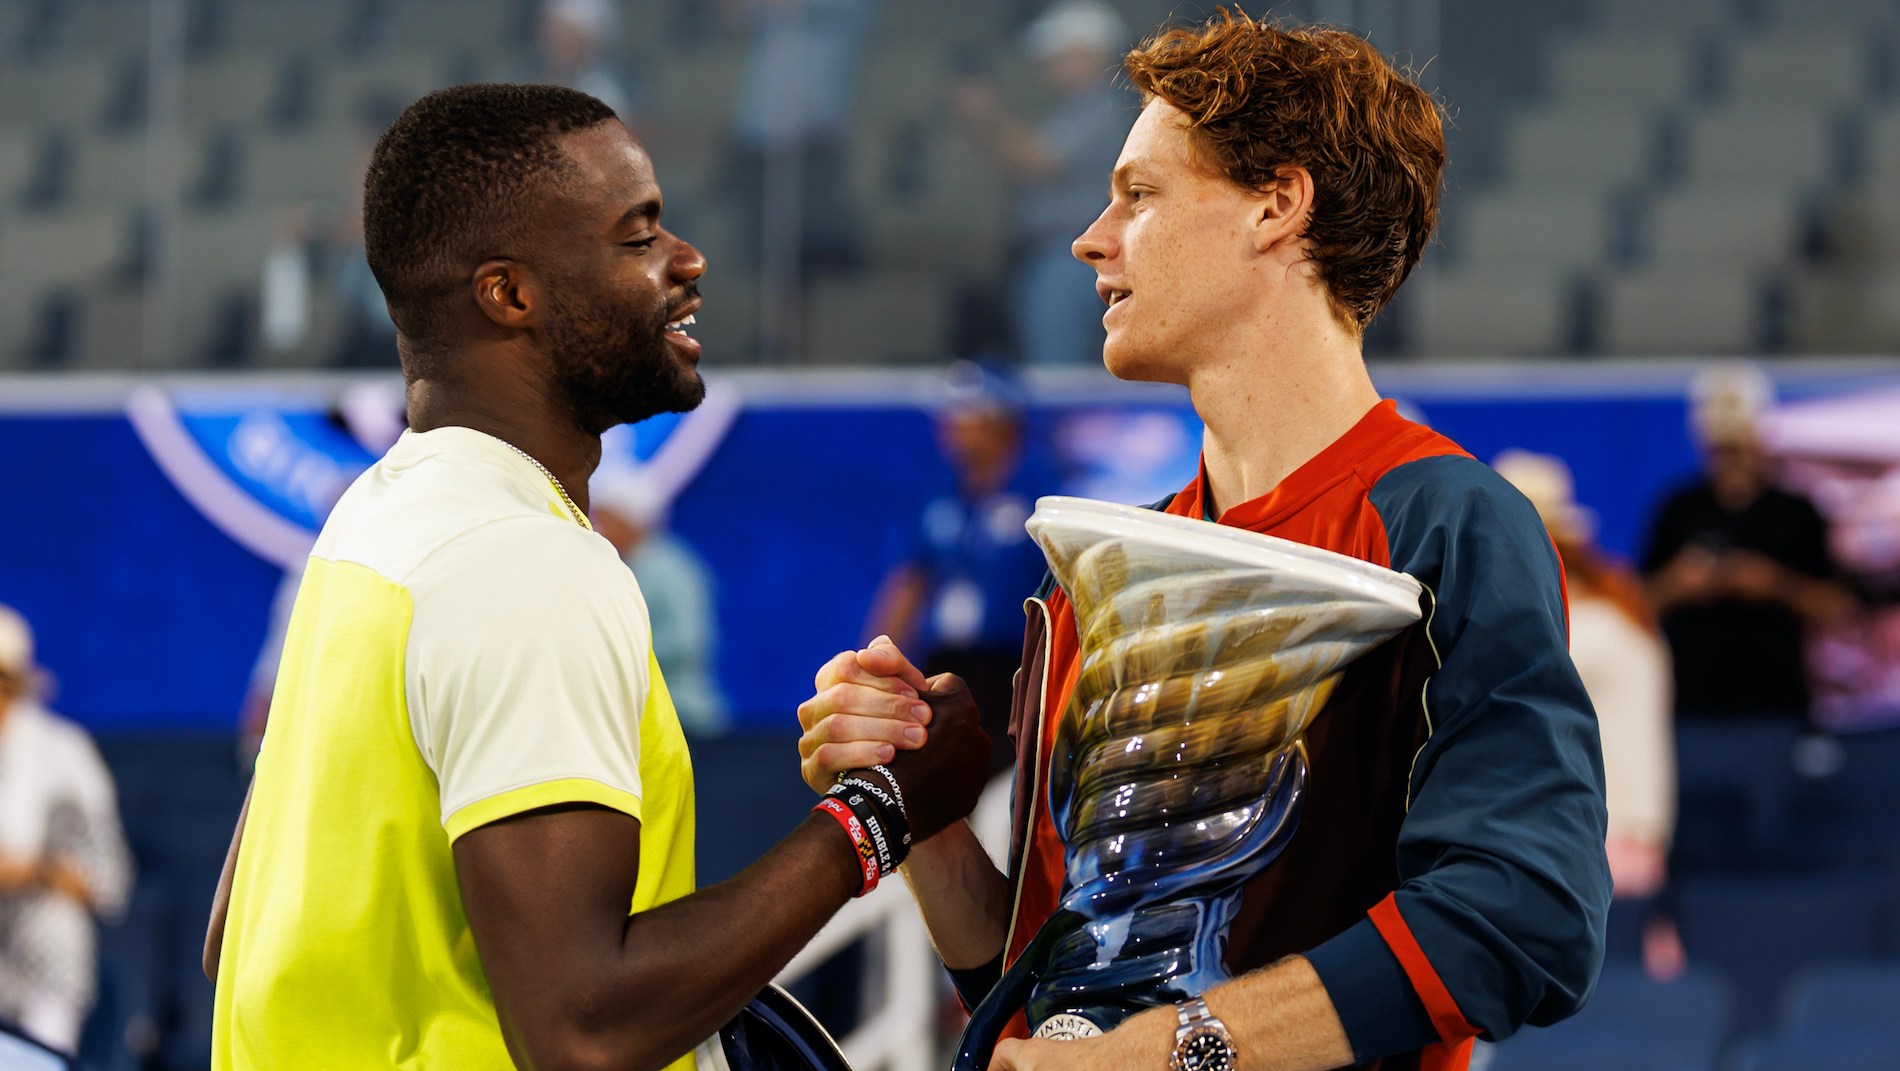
(507, 293)
(1282, 210)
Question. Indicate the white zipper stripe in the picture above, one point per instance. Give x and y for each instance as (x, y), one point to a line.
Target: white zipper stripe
(1424, 703)
(1035, 772)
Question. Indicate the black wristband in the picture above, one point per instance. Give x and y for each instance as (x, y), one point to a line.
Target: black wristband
(881, 818)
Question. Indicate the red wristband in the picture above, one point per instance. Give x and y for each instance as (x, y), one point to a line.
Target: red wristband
(860, 840)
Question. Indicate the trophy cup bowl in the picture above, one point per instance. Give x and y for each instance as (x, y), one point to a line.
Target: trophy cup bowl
(1178, 767)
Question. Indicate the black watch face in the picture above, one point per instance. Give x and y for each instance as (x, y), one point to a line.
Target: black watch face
(1206, 1050)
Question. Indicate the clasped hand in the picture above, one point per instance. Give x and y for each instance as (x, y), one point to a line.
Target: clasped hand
(865, 708)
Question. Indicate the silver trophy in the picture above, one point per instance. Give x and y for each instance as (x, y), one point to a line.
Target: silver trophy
(1178, 770)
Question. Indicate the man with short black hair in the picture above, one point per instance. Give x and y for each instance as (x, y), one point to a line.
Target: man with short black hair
(469, 841)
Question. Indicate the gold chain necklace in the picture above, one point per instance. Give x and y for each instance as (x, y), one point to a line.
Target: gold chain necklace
(558, 486)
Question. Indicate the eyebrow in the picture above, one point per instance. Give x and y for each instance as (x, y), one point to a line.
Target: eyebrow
(1123, 175)
(647, 211)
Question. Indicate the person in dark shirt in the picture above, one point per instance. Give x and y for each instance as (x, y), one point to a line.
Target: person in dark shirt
(963, 561)
(1738, 568)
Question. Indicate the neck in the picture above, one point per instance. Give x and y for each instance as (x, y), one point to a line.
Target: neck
(525, 414)
(1276, 404)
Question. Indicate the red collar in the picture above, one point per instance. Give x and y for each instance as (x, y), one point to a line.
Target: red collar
(1364, 442)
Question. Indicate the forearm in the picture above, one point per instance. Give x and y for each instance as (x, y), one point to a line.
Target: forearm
(1280, 1019)
(963, 898)
(643, 1008)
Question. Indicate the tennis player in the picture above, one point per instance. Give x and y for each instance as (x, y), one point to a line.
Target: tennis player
(1448, 880)
(469, 840)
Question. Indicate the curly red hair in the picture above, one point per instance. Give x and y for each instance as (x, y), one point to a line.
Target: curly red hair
(1260, 98)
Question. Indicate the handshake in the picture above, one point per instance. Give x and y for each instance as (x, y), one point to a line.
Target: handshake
(876, 723)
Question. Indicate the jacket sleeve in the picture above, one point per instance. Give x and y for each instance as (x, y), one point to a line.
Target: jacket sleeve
(1498, 919)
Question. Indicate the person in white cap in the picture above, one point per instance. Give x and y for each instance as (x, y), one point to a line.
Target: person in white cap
(631, 513)
(1620, 654)
(1738, 568)
(63, 859)
(1058, 166)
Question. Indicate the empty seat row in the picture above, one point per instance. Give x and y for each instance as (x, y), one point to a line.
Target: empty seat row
(1735, 226)
(1816, 64)
(122, 28)
(1591, 148)
(88, 94)
(1833, 1018)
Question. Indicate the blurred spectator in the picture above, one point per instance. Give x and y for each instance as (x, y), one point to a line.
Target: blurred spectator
(964, 562)
(1737, 568)
(789, 162)
(1062, 167)
(631, 513)
(317, 268)
(572, 38)
(63, 858)
(1620, 654)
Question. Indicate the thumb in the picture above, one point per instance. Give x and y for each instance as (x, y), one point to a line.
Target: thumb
(884, 659)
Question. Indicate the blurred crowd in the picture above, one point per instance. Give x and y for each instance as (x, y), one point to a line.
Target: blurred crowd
(783, 181)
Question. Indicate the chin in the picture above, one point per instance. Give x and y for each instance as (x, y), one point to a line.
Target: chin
(1139, 364)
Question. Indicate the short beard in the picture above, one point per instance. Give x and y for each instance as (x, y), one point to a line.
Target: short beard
(614, 365)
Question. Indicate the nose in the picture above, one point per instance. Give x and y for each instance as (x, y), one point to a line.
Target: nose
(688, 262)
(1095, 244)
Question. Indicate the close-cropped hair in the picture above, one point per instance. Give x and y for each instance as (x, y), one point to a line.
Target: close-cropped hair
(1260, 98)
(450, 183)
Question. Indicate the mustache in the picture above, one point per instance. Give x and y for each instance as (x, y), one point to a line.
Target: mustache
(688, 293)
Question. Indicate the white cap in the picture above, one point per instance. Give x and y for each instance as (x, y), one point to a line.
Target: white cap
(1088, 24)
(1727, 401)
(1546, 481)
(596, 18)
(629, 495)
(16, 646)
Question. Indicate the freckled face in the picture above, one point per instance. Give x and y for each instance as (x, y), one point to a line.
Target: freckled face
(1172, 253)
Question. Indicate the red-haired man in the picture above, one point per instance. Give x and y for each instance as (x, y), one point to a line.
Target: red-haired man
(1448, 879)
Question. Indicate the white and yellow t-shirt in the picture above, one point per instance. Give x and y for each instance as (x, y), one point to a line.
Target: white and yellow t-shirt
(461, 650)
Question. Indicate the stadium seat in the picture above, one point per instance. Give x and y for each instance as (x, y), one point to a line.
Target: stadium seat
(890, 317)
(699, 88)
(1793, 67)
(21, 157)
(1787, 147)
(284, 26)
(1850, 309)
(1580, 146)
(1735, 784)
(1725, 226)
(108, 27)
(1519, 228)
(1872, 15)
(1487, 312)
(71, 92)
(1630, 1022)
(375, 88)
(1871, 1048)
(1675, 15)
(1605, 70)
(63, 248)
(108, 328)
(1710, 309)
(1759, 931)
(235, 90)
(1842, 996)
(1880, 149)
(317, 164)
(474, 26)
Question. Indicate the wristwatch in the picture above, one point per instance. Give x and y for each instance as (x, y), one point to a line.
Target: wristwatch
(1201, 1042)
